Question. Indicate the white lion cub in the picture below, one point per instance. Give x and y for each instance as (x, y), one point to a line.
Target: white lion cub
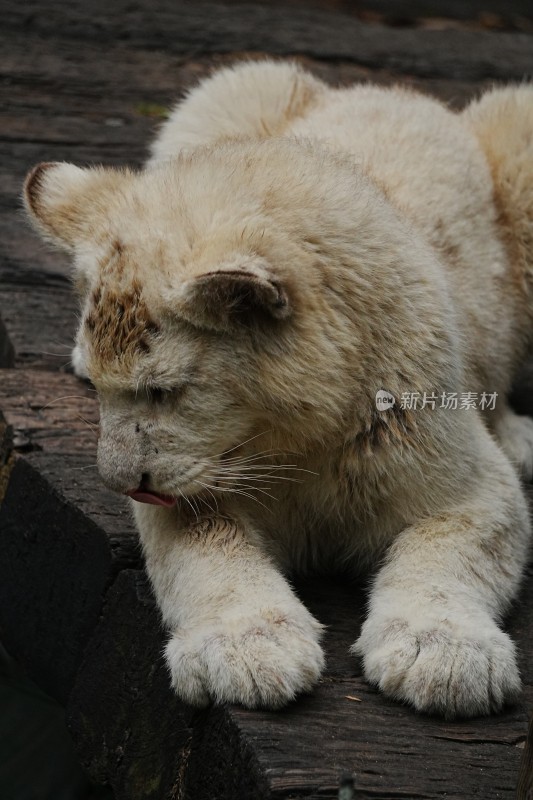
(290, 252)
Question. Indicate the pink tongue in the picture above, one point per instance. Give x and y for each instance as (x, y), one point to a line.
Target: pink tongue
(155, 499)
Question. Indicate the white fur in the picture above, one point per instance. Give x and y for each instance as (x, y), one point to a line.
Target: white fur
(380, 241)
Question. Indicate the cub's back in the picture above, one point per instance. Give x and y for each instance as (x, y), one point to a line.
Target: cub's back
(431, 166)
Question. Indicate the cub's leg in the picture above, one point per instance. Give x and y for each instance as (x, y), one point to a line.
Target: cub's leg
(432, 637)
(515, 435)
(256, 99)
(238, 634)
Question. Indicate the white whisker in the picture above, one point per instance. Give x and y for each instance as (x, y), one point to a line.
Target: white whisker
(237, 491)
(65, 397)
(241, 444)
(250, 487)
(249, 463)
(187, 500)
(268, 451)
(265, 470)
(236, 476)
(251, 457)
(265, 467)
(212, 495)
(91, 425)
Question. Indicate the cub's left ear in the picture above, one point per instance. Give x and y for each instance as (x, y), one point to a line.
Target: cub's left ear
(227, 298)
(57, 197)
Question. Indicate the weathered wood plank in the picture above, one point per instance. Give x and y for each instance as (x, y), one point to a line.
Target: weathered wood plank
(513, 14)
(525, 779)
(57, 560)
(63, 536)
(190, 28)
(40, 318)
(51, 412)
(7, 352)
(128, 725)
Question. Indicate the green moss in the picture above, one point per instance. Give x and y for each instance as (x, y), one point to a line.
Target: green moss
(152, 110)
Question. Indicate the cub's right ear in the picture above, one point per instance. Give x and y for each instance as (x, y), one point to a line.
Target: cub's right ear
(56, 197)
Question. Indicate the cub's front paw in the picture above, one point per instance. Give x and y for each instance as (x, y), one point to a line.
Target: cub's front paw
(451, 668)
(263, 660)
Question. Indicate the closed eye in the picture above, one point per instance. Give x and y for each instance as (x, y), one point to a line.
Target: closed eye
(159, 394)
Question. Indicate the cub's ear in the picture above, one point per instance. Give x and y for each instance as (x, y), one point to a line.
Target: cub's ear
(228, 298)
(57, 198)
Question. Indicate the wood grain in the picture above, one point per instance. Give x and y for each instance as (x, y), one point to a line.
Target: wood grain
(188, 28)
(525, 779)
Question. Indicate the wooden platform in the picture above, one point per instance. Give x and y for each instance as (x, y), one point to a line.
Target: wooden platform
(87, 82)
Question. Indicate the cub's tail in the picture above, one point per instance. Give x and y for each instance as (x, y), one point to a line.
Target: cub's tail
(250, 99)
(503, 122)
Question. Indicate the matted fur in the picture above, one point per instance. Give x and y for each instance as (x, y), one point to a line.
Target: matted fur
(290, 250)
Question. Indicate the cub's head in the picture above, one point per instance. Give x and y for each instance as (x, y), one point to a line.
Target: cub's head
(206, 325)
